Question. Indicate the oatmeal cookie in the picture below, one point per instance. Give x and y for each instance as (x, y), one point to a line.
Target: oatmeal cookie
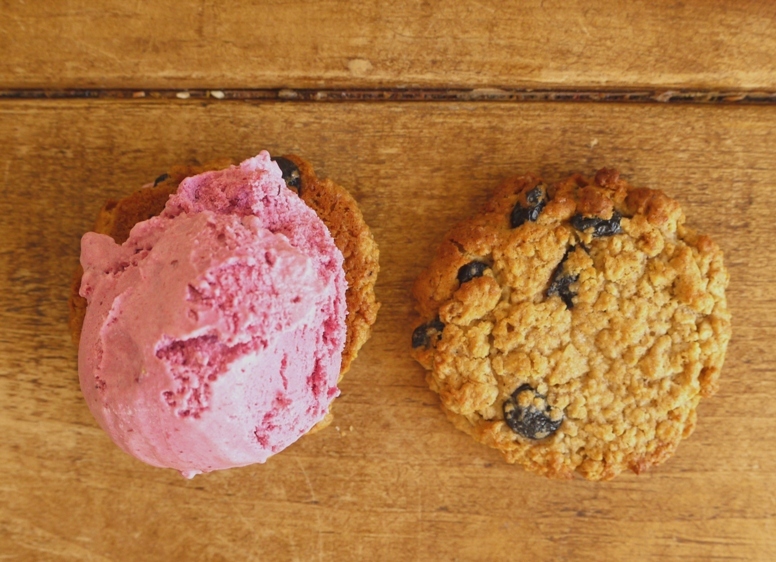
(332, 203)
(574, 326)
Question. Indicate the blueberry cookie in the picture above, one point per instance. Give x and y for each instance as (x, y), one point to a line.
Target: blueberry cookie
(332, 203)
(574, 326)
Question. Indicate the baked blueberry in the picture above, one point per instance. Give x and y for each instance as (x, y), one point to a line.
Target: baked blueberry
(161, 178)
(471, 270)
(529, 421)
(536, 200)
(290, 172)
(601, 227)
(561, 281)
(422, 335)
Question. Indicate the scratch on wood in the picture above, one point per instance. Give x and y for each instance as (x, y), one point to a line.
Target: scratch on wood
(314, 501)
(743, 97)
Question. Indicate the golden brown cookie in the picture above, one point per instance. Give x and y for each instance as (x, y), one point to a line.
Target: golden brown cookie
(332, 203)
(574, 326)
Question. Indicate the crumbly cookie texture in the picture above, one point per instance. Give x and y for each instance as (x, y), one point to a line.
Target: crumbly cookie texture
(574, 326)
(333, 204)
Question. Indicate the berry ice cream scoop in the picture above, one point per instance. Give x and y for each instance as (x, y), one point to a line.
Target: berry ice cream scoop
(213, 336)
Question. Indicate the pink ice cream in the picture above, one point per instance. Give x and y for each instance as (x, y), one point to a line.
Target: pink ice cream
(213, 336)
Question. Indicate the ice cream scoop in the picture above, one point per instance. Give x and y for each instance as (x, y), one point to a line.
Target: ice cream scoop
(213, 336)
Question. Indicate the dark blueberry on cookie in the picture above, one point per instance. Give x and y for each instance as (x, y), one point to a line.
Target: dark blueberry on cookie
(529, 420)
(561, 281)
(161, 178)
(535, 202)
(423, 334)
(290, 172)
(471, 270)
(601, 227)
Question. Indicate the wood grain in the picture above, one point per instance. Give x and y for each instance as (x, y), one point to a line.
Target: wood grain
(701, 44)
(391, 479)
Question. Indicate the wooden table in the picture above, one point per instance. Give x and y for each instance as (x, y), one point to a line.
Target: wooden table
(441, 101)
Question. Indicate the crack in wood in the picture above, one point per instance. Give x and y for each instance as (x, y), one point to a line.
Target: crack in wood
(406, 95)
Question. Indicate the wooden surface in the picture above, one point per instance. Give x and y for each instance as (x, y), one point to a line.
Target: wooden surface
(391, 479)
(727, 44)
(396, 480)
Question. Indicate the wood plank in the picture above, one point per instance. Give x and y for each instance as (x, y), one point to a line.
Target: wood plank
(708, 44)
(391, 479)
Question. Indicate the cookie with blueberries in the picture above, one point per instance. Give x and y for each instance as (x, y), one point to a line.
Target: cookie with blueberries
(335, 206)
(574, 326)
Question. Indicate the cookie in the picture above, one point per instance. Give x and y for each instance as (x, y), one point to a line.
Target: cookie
(574, 326)
(333, 204)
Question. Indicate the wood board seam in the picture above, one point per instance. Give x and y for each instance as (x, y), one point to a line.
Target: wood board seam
(717, 97)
